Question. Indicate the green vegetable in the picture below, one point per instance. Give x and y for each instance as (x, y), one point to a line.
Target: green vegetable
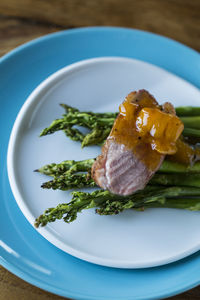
(69, 181)
(191, 132)
(183, 179)
(165, 189)
(191, 122)
(67, 166)
(109, 204)
(99, 125)
(191, 203)
(70, 109)
(68, 211)
(187, 111)
(169, 166)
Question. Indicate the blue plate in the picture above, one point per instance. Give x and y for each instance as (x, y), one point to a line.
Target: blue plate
(25, 252)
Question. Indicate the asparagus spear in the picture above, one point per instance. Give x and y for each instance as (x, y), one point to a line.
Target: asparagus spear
(142, 198)
(109, 204)
(183, 179)
(56, 125)
(85, 119)
(68, 211)
(187, 111)
(69, 181)
(169, 166)
(192, 204)
(70, 166)
(96, 137)
(191, 132)
(102, 115)
(191, 122)
(74, 134)
(80, 200)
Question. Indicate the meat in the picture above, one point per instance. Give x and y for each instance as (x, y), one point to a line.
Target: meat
(120, 171)
(135, 148)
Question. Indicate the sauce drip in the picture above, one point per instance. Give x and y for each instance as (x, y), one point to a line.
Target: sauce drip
(186, 154)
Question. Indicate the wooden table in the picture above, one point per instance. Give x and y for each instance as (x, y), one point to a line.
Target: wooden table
(24, 20)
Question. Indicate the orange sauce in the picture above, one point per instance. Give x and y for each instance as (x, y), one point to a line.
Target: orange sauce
(186, 154)
(160, 128)
(146, 130)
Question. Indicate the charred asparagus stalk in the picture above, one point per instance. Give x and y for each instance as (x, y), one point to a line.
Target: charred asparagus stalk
(99, 124)
(69, 181)
(67, 167)
(109, 204)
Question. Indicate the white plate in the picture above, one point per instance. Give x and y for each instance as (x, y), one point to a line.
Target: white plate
(130, 239)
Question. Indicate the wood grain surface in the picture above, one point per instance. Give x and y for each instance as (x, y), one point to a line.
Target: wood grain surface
(24, 20)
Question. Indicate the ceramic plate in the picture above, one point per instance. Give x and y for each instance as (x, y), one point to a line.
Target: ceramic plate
(130, 239)
(23, 250)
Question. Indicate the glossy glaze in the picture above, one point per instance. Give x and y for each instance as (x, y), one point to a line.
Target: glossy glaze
(144, 129)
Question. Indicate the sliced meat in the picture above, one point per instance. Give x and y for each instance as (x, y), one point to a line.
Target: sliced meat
(119, 170)
(129, 158)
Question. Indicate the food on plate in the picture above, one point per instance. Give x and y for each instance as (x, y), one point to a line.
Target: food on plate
(176, 182)
(142, 134)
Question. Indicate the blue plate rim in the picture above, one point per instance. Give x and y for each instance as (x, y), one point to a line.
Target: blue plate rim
(16, 270)
(84, 29)
(57, 291)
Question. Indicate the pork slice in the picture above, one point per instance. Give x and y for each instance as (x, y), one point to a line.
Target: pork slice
(128, 161)
(120, 171)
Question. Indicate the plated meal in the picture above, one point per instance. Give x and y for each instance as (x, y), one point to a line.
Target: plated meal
(150, 158)
(88, 178)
